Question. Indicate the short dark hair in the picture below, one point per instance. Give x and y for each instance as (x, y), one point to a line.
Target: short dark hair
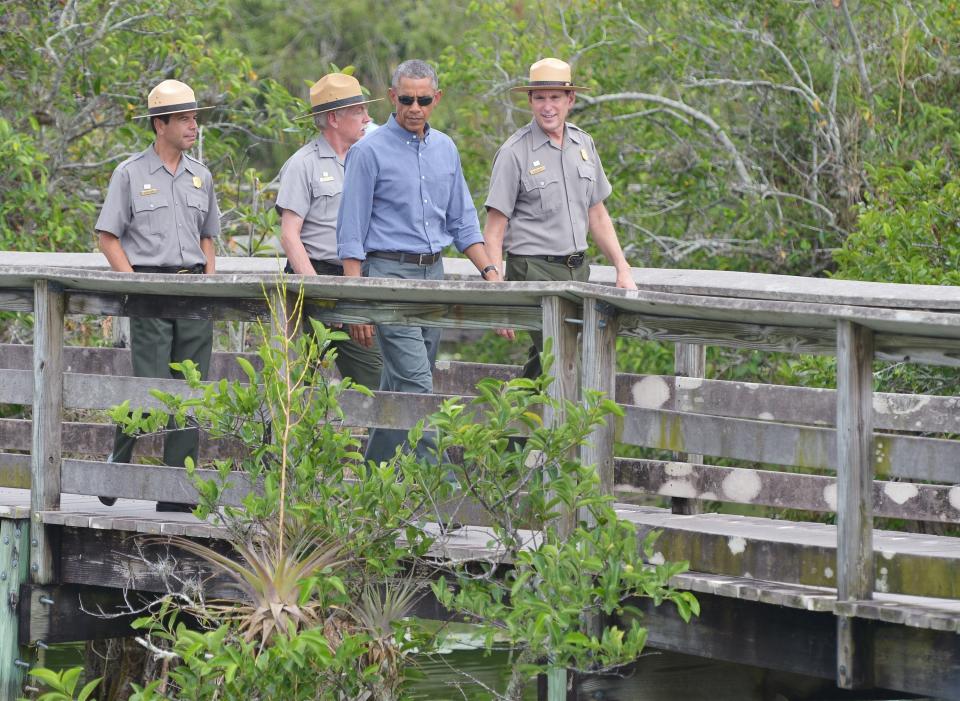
(417, 70)
(165, 118)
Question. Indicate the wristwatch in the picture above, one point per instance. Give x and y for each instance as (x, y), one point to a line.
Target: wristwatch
(483, 273)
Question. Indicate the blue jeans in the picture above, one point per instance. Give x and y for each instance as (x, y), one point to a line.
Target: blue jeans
(408, 354)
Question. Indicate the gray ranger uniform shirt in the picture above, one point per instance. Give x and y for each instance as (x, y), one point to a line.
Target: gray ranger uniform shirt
(158, 217)
(546, 191)
(311, 184)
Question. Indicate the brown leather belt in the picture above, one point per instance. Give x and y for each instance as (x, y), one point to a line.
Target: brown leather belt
(415, 258)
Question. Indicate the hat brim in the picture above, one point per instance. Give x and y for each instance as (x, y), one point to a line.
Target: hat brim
(323, 109)
(554, 86)
(173, 110)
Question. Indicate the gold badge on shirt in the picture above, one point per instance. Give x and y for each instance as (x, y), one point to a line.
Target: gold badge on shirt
(197, 182)
(537, 168)
(147, 190)
(584, 155)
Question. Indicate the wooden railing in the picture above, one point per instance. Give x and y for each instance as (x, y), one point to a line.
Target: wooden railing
(834, 443)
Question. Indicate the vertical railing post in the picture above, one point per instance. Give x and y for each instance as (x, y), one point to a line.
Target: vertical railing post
(48, 311)
(14, 657)
(564, 387)
(599, 373)
(855, 470)
(689, 360)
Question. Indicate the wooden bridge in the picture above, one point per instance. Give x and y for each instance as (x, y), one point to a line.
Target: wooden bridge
(865, 607)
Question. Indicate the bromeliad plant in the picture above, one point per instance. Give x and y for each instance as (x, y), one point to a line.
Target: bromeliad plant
(311, 541)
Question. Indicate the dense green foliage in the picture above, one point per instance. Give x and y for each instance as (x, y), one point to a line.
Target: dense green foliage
(738, 135)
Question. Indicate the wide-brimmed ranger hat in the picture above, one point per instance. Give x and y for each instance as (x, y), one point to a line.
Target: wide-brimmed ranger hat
(550, 74)
(333, 91)
(171, 97)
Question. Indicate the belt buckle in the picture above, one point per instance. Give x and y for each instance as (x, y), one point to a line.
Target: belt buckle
(183, 271)
(420, 260)
(574, 260)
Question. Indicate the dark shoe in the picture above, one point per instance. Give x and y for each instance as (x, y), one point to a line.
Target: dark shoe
(174, 506)
(107, 501)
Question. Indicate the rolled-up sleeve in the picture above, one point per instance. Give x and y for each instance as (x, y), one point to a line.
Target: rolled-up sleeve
(356, 204)
(462, 222)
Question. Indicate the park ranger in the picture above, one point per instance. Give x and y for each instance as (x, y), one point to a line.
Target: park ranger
(311, 185)
(547, 190)
(161, 216)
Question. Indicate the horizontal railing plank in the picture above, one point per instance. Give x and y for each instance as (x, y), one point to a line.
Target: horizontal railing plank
(798, 552)
(781, 403)
(16, 300)
(787, 490)
(812, 447)
(150, 482)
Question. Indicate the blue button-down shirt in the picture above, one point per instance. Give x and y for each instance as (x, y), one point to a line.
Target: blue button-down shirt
(404, 194)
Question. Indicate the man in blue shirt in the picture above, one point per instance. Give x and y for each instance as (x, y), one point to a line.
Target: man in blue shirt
(404, 201)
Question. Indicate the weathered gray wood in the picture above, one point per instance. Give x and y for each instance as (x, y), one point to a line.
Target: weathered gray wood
(797, 552)
(151, 482)
(16, 386)
(564, 371)
(15, 470)
(785, 444)
(786, 339)
(854, 496)
(785, 404)
(398, 313)
(599, 368)
(16, 301)
(719, 283)
(115, 361)
(783, 490)
(14, 558)
(447, 316)
(167, 307)
(733, 334)
(457, 378)
(47, 415)
(689, 360)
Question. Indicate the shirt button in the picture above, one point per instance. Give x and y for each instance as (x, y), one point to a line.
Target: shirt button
(424, 201)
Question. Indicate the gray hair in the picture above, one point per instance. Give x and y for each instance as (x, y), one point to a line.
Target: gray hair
(320, 120)
(417, 70)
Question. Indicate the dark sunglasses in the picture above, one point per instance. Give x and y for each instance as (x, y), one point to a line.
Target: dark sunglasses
(407, 100)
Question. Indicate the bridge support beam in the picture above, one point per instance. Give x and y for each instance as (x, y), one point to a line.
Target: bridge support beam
(48, 312)
(14, 569)
(855, 468)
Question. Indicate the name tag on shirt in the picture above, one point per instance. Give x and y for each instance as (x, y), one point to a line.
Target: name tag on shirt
(325, 178)
(538, 169)
(147, 190)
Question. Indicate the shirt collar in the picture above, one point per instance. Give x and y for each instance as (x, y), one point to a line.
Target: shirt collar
(539, 137)
(324, 149)
(154, 163)
(402, 133)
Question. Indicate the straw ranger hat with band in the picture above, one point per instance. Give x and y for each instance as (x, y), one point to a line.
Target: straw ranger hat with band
(333, 91)
(170, 97)
(550, 74)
